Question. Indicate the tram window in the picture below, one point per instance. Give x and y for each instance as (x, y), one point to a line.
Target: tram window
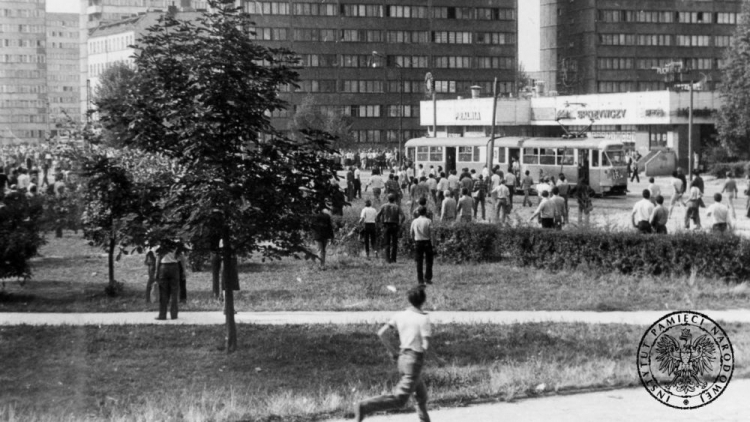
(565, 156)
(476, 155)
(531, 156)
(605, 160)
(499, 155)
(595, 158)
(422, 153)
(410, 153)
(464, 154)
(436, 153)
(547, 157)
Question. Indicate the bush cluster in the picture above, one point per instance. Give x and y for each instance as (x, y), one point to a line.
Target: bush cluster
(599, 252)
(20, 235)
(721, 170)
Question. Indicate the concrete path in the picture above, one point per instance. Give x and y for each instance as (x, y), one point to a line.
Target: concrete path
(626, 405)
(283, 318)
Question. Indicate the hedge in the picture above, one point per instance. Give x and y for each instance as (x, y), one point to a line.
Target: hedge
(718, 256)
(739, 169)
(20, 236)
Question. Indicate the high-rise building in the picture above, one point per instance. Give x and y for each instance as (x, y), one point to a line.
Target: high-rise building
(105, 11)
(366, 60)
(601, 46)
(63, 70)
(23, 71)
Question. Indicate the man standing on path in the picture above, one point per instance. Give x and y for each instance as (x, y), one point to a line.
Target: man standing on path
(414, 332)
(654, 189)
(642, 211)
(660, 216)
(730, 188)
(322, 233)
(560, 207)
(510, 182)
(526, 184)
(422, 234)
(376, 182)
(635, 168)
(720, 214)
(480, 193)
(681, 176)
(453, 182)
(697, 181)
(368, 218)
(168, 276)
(357, 182)
(546, 211)
(448, 210)
(465, 206)
(392, 217)
(564, 188)
(501, 194)
(677, 187)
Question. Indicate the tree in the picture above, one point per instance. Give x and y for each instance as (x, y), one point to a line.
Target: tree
(109, 99)
(733, 124)
(201, 97)
(20, 234)
(308, 117)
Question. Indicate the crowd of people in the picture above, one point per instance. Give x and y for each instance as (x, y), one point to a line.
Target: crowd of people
(38, 169)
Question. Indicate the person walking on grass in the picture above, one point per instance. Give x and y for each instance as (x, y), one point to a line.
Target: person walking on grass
(526, 184)
(720, 215)
(422, 203)
(583, 193)
(546, 211)
(465, 206)
(368, 217)
(376, 183)
(677, 186)
(510, 182)
(322, 234)
(693, 205)
(448, 209)
(659, 217)
(730, 189)
(414, 332)
(421, 233)
(168, 277)
(642, 212)
(392, 218)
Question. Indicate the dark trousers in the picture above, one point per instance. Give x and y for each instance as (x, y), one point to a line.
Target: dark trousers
(410, 365)
(511, 188)
(169, 289)
(391, 242)
(369, 234)
(644, 227)
(477, 201)
(183, 283)
(357, 189)
(692, 213)
(719, 227)
(423, 254)
(548, 223)
(635, 175)
(659, 229)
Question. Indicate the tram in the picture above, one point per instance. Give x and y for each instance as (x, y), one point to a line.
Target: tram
(601, 161)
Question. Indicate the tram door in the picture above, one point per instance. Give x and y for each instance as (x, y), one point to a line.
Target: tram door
(450, 159)
(514, 154)
(583, 165)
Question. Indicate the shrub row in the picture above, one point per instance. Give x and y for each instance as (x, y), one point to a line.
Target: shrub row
(20, 235)
(721, 170)
(600, 252)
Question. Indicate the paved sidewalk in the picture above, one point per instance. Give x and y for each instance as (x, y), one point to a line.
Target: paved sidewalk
(283, 318)
(626, 405)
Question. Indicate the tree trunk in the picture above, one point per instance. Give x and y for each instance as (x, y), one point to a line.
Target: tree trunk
(230, 273)
(216, 273)
(111, 259)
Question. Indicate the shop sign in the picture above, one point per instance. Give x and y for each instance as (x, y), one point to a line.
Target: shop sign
(613, 114)
(655, 112)
(468, 115)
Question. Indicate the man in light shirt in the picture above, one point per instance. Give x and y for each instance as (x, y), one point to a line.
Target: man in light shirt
(369, 218)
(546, 211)
(510, 182)
(720, 215)
(501, 194)
(465, 208)
(560, 206)
(377, 184)
(526, 184)
(677, 186)
(168, 277)
(730, 187)
(654, 189)
(421, 233)
(543, 186)
(414, 332)
(641, 215)
(448, 210)
(453, 182)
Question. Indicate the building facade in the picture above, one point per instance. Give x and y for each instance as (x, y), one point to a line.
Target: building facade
(107, 11)
(601, 46)
(63, 71)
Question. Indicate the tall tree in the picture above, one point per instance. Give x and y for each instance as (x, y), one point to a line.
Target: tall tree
(309, 116)
(109, 99)
(733, 122)
(200, 97)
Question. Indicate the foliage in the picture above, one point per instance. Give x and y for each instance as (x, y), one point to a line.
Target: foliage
(308, 116)
(722, 256)
(20, 234)
(110, 100)
(62, 212)
(733, 122)
(721, 170)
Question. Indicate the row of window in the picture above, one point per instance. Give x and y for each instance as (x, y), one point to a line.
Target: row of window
(63, 100)
(629, 86)
(628, 63)
(62, 23)
(23, 89)
(378, 11)
(23, 43)
(21, 74)
(63, 78)
(377, 86)
(25, 29)
(24, 104)
(68, 45)
(375, 36)
(63, 34)
(63, 67)
(96, 69)
(22, 13)
(110, 44)
(62, 56)
(22, 58)
(423, 62)
(665, 40)
(643, 16)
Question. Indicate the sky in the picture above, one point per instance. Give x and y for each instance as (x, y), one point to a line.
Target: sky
(528, 28)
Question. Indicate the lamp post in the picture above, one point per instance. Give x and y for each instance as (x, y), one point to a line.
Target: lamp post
(400, 102)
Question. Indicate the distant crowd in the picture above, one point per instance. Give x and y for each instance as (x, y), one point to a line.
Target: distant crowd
(33, 169)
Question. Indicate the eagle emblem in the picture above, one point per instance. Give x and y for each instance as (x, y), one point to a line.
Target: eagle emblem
(687, 362)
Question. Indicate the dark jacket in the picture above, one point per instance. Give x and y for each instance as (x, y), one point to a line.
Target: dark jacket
(322, 227)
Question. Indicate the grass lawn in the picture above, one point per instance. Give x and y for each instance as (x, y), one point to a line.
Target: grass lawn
(71, 278)
(158, 373)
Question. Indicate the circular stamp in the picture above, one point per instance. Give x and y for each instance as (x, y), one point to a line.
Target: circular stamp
(685, 360)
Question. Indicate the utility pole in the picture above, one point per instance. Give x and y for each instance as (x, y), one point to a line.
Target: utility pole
(690, 133)
(491, 150)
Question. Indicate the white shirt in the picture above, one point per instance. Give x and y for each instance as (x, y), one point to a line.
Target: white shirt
(23, 181)
(655, 190)
(642, 210)
(495, 179)
(376, 181)
(413, 327)
(485, 173)
(719, 212)
(420, 228)
(543, 187)
(501, 191)
(356, 173)
(368, 214)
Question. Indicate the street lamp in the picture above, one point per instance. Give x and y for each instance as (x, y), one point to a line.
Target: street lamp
(400, 102)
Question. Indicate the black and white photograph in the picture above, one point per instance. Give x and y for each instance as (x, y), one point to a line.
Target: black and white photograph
(380, 210)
